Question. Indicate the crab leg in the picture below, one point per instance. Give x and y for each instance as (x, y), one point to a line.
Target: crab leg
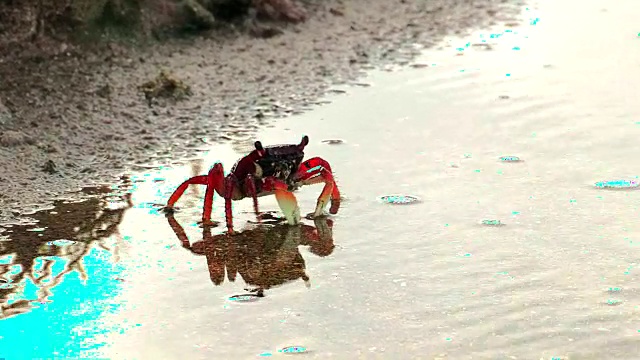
(196, 180)
(320, 238)
(228, 196)
(251, 190)
(317, 170)
(231, 259)
(179, 231)
(286, 199)
(215, 255)
(213, 181)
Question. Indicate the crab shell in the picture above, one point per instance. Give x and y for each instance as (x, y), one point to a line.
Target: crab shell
(279, 161)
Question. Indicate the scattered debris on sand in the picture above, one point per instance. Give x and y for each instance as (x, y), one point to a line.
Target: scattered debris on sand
(165, 86)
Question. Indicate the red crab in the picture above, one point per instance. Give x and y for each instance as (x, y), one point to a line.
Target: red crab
(277, 170)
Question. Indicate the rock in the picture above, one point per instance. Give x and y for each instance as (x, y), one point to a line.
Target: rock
(104, 91)
(120, 13)
(227, 9)
(336, 12)
(265, 32)
(280, 9)
(48, 148)
(196, 15)
(49, 167)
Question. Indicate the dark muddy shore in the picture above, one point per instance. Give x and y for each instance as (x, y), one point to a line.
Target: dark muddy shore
(81, 119)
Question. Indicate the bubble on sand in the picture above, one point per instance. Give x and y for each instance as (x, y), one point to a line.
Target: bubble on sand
(244, 298)
(399, 199)
(613, 302)
(293, 350)
(61, 242)
(492, 223)
(37, 229)
(617, 184)
(510, 159)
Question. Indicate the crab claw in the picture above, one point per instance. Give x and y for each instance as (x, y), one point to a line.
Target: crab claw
(304, 142)
(285, 198)
(259, 148)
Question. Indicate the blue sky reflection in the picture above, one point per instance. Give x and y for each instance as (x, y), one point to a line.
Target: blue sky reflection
(69, 324)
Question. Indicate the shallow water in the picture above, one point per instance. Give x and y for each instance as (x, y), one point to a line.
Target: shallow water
(435, 278)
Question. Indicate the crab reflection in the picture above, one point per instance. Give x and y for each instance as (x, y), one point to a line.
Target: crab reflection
(80, 224)
(266, 256)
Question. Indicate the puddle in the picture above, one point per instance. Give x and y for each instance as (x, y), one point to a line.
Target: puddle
(43, 265)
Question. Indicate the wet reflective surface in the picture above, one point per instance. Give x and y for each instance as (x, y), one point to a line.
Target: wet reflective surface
(59, 273)
(264, 257)
(551, 271)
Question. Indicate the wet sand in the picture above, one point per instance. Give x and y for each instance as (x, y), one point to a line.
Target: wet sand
(427, 280)
(80, 120)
